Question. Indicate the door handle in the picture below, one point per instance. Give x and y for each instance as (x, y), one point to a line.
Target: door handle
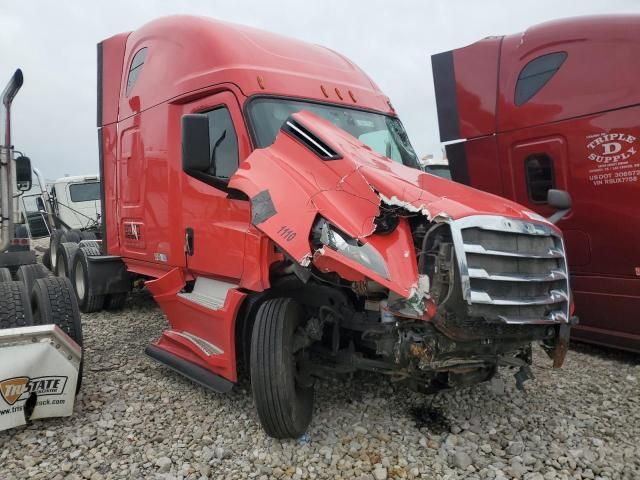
(188, 241)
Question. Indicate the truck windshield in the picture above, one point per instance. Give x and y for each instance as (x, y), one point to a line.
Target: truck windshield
(84, 192)
(382, 133)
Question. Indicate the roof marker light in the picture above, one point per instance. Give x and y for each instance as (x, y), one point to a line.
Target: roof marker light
(260, 82)
(353, 97)
(338, 93)
(324, 91)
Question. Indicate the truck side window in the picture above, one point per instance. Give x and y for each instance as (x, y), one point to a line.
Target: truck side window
(135, 68)
(539, 176)
(536, 74)
(223, 144)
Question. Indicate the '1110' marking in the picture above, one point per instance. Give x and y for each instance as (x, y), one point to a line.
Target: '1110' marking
(286, 233)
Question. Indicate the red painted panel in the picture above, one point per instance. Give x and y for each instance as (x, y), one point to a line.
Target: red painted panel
(608, 310)
(109, 139)
(605, 187)
(215, 326)
(600, 73)
(476, 74)
(482, 166)
(112, 54)
(186, 54)
(219, 224)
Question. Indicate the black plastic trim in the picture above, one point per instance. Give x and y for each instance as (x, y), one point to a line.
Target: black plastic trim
(444, 83)
(99, 109)
(309, 139)
(458, 166)
(193, 372)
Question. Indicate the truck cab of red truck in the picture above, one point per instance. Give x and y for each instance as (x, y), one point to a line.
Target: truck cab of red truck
(556, 107)
(268, 194)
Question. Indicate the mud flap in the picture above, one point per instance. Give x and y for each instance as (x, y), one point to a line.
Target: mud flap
(559, 353)
(38, 374)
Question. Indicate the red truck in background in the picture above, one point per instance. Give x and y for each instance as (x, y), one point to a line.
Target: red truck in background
(556, 107)
(268, 195)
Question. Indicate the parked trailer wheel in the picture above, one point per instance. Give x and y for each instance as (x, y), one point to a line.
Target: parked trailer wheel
(28, 274)
(81, 275)
(46, 259)
(15, 309)
(284, 405)
(5, 275)
(71, 236)
(54, 242)
(94, 244)
(115, 301)
(66, 252)
(53, 301)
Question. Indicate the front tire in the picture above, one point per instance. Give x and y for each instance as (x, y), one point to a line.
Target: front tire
(284, 406)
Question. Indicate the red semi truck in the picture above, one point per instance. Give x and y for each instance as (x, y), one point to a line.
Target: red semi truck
(556, 107)
(268, 195)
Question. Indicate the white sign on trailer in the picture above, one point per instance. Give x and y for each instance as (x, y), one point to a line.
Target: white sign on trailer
(38, 374)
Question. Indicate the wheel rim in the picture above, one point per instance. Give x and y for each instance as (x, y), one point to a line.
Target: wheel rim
(54, 257)
(79, 279)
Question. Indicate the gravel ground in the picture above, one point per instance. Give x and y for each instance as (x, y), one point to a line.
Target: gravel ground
(136, 419)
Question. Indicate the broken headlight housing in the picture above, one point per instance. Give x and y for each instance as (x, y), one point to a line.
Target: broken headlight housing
(325, 234)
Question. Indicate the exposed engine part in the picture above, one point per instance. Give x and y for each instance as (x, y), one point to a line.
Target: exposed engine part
(386, 222)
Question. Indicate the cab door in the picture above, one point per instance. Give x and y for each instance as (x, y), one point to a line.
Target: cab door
(535, 163)
(214, 225)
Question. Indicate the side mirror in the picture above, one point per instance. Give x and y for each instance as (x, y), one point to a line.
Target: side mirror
(195, 143)
(23, 173)
(560, 200)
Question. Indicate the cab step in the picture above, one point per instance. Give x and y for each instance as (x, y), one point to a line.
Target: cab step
(208, 293)
(193, 372)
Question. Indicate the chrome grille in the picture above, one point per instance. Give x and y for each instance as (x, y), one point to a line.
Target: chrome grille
(511, 270)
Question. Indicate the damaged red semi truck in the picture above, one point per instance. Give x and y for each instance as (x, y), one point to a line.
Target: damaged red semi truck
(556, 107)
(268, 195)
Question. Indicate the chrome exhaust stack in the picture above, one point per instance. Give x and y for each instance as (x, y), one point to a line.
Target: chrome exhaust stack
(6, 163)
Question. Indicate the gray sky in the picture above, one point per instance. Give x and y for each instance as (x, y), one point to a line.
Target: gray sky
(54, 42)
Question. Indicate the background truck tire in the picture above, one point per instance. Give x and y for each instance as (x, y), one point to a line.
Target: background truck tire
(54, 241)
(15, 309)
(46, 258)
(5, 275)
(88, 236)
(93, 245)
(66, 252)
(283, 406)
(81, 276)
(71, 236)
(28, 274)
(115, 301)
(53, 301)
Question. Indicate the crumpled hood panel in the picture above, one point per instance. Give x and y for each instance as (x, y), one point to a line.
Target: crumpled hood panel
(289, 186)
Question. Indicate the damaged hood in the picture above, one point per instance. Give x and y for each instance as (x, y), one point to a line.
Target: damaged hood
(317, 169)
